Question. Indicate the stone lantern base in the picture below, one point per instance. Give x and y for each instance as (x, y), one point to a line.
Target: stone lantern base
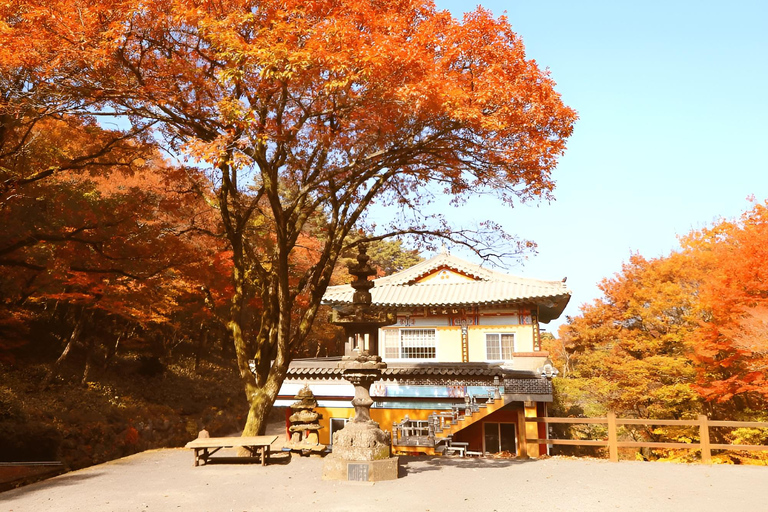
(335, 468)
(360, 452)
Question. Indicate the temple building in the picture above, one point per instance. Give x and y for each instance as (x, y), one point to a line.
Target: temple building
(464, 360)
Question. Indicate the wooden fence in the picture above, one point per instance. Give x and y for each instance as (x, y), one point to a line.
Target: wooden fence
(614, 444)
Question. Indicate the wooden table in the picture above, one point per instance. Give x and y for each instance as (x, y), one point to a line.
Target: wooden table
(210, 445)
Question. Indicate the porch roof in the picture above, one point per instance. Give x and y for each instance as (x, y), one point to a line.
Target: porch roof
(327, 368)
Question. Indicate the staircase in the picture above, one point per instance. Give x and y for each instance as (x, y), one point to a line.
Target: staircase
(477, 411)
(436, 433)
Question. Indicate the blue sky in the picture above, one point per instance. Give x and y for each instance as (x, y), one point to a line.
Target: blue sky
(672, 135)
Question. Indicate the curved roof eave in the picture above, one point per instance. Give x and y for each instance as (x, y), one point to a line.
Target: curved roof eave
(491, 288)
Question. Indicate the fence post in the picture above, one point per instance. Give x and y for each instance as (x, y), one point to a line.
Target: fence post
(613, 448)
(706, 452)
(522, 435)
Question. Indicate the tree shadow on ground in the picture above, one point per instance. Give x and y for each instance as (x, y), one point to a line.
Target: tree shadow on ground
(420, 464)
(62, 480)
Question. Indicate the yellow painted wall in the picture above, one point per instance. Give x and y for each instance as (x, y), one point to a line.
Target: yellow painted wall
(449, 341)
(523, 339)
(448, 344)
(385, 418)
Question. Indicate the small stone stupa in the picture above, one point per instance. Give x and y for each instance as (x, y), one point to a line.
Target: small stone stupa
(304, 424)
(361, 450)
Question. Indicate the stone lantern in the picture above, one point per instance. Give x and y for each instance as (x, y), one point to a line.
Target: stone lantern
(361, 450)
(305, 424)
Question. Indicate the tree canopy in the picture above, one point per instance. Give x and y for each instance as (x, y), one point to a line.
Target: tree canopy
(677, 335)
(304, 114)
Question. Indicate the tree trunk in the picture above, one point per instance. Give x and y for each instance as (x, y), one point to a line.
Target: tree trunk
(89, 354)
(73, 339)
(112, 352)
(259, 408)
(201, 343)
(260, 402)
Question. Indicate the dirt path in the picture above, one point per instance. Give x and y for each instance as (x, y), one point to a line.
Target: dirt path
(164, 480)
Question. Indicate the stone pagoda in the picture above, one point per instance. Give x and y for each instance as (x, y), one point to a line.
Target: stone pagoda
(304, 424)
(361, 450)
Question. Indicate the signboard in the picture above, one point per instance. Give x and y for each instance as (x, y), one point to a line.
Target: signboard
(357, 472)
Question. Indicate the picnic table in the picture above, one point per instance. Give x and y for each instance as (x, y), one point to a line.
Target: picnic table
(205, 447)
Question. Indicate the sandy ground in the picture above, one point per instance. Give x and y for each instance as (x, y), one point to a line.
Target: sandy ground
(166, 480)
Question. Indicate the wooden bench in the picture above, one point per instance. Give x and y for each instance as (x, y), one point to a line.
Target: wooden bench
(451, 450)
(456, 446)
(205, 447)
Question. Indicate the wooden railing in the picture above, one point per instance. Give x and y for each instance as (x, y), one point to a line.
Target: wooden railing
(614, 444)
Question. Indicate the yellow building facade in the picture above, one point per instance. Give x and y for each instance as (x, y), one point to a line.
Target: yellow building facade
(464, 361)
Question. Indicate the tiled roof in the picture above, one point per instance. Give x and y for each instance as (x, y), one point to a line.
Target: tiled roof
(327, 368)
(490, 288)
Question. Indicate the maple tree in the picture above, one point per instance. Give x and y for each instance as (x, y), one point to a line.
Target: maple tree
(65, 226)
(104, 241)
(678, 335)
(630, 345)
(628, 351)
(305, 114)
(730, 347)
(707, 302)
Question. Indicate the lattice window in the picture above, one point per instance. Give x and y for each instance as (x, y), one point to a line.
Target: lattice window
(391, 344)
(499, 346)
(417, 344)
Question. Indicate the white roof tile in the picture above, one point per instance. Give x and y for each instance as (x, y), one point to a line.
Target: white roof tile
(489, 288)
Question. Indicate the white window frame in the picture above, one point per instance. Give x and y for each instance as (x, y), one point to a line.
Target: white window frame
(396, 336)
(332, 431)
(500, 347)
(390, 349)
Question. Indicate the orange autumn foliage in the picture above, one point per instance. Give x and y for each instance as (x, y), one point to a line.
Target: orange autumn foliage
(674, 337)
(681, 333)
(627, 350)
(731, 346)
(304, 114)
(99, 227)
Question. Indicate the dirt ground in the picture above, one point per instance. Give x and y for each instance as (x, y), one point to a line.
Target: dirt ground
(166, 480)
